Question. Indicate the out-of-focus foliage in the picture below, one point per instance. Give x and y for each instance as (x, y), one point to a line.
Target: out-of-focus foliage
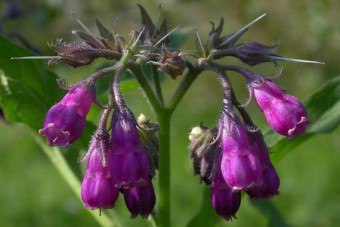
(33, 194)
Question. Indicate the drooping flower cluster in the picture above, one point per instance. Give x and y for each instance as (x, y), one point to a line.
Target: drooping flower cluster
(117, 160)
(124, 161)
(235, 152)
(232, 159)
(123, 157)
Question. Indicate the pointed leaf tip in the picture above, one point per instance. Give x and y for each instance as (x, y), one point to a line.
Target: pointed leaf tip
(146, 20)
(231, 40)
(278, 58)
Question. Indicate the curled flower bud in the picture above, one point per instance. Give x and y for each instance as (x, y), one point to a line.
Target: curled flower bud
(147, 132)
(270, 179)
(97, 189)
(224, 201)
(65, 121)
(140, 200)
(284, 113)
(172, 64)
(254, 53)
(130, 167)
(202, 151)
(75, 55)
(241, 167)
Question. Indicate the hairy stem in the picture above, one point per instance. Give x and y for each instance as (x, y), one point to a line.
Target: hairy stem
(137, 71)
(157, 84)
(183, 87)
(164, 118)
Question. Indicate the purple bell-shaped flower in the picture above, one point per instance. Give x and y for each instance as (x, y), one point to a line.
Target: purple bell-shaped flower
(284, 113)
(130, 167)
(140, 200)
(241, 167)
(224, 201)
(270, 179)
(97, 189)
(65, 121)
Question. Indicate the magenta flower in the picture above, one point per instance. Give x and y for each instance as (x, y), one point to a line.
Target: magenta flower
(241, 167)
(130, 167)
(140, 200)
(270, 179)
(284, 113)
(224, 201)
(97, 189)
(65, 121)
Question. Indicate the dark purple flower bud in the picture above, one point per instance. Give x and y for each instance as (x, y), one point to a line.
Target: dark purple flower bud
(130, 167)
(255, 53)
(172, 63)
(284, 113)
(65, 121)
(241, 167)
(270, 179)
(97, 189)
(140, 200)
(224, 200)
(75, 55)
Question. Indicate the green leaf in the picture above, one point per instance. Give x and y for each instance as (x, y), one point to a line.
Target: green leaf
(27, 90)
(324, 115)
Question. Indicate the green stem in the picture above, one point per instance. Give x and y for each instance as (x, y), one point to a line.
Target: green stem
(157, 84)
(164, 118)
(137, 71)
(183, 87)
(58, 160)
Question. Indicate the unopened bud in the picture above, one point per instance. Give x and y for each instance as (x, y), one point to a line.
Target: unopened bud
(147, 131)
(172, 64)
(65, 121)
(195, 133)
(284, 113)
(75, 55)
(255, 53)
(202, 151)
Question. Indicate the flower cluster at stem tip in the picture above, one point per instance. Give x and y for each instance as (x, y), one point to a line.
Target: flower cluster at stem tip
(123, 153)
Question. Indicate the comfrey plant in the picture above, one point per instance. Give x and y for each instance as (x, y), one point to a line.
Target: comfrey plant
(125, 153)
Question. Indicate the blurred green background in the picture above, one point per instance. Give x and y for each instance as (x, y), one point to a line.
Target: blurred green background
(32, 192)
